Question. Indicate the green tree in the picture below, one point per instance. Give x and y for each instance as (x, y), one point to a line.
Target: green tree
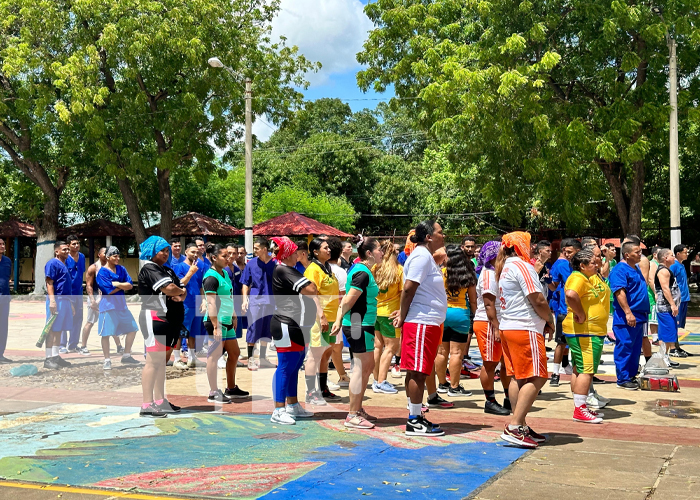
(549, 101)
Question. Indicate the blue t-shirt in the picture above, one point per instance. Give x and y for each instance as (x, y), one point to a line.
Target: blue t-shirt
(174, 262)
(117, 300)
(678, 271)
(632, 280)
(5, 272)
(58, 272)
(300, 267)
(258, 277)
(402, 258)
(194, 285)
(77, 271)
(560, 272)
(204, 264)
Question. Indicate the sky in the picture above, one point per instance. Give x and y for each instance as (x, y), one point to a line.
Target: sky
(331, 32)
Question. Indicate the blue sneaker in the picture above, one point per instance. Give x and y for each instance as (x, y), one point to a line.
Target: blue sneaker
(384, 388)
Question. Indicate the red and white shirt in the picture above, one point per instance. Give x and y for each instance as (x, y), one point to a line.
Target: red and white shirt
(487, 284)
(518, 280)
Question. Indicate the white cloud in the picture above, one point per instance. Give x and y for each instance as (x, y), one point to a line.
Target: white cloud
(262, 128)
(328, 31)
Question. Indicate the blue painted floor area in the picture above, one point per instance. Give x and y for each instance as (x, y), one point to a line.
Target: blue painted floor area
(214, 455)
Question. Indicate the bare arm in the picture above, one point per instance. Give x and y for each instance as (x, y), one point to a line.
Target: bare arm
(409, 291)
(539, 304)
(664, 281)
(553, 286)
(471, 293)
(245, 290)
(621, 297)
(574, 302)
(52, 296)
(89, 281)
(644, 265)
(492, 314)
(346, 304)
(652, 274)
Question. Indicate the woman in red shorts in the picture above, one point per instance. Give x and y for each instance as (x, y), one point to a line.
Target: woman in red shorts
(525, 317)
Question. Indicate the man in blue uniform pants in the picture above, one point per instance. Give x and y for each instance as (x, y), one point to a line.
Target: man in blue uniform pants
(678, 270)
(58, 302)
(631, 305)
(75, 262)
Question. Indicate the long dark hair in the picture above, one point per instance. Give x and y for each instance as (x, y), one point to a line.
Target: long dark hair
(460, 270)
(365, 245)
(316, 245)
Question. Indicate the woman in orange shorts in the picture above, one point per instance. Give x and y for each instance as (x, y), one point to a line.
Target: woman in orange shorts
(487, 330)
(525, 317)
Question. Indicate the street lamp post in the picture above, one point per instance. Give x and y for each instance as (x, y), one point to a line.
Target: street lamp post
(215, 62)
(674, 182)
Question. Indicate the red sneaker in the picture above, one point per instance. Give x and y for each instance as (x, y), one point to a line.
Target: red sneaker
(583, 414)
(536, 436)
(518, 437)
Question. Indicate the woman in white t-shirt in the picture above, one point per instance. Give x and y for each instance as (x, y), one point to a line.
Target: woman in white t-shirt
(422, 312)
(525, 317)
(487, 329)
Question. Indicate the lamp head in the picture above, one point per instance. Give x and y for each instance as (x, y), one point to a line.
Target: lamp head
(215, 62)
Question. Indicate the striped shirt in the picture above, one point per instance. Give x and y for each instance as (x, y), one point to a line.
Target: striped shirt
(518, 280)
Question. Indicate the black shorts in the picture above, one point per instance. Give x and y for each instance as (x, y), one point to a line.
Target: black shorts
(158, 335)
(559, 333)
(450, 335)
(360, 339)
(288, 334)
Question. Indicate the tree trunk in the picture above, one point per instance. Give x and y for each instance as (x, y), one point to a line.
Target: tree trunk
(628, 204)
(166, 204)
(46, 232)
(132, 208)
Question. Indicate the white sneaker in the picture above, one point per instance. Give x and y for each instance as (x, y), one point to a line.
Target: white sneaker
(601, 398)
(253, 365)
(297, 411)
(180, 364)
(107, 365)
(395, 371)
(280, 416)
(593, 402)
(567, 371)
(221, 363)
(332, 386)
(266, 363)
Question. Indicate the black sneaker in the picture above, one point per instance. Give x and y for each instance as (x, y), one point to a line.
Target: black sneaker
(218, 397)
(673, 364)
(153, 411)
(420, 426)
(506, 404)
(167, 407)
(629, 385)
(62, 362)
(443, 388)
(687, 354)
(458, 391)
(554, 381)
(495, 409)
(50, 364)
(120, 349)
(129, 360)
(678, 353)
(597, 380)
(329, 396)
(438, 402)
(4, 360)
(236, 393)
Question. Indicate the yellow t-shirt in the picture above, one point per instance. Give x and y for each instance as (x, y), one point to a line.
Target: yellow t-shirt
(457, 299)
(389, 300)
(328, 290)
(595, 299)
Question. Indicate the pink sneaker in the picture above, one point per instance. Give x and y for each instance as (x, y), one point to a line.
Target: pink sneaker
(357, 422)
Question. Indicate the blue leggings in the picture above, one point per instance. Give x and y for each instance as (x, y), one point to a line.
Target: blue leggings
(286, 377)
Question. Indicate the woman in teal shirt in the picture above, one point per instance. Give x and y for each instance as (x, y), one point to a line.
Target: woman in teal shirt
(357, 316)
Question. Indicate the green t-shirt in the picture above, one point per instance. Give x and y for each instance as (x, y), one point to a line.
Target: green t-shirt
(360, 278)
(221, 286)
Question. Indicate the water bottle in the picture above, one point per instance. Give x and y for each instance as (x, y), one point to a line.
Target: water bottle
(24, 371)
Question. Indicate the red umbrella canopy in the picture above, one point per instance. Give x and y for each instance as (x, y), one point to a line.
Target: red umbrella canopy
(195, 224)
(295, 224)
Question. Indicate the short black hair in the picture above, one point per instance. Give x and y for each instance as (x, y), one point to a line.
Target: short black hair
(232, 245)
(679, 248)
(468, 238)
(190, 245)
(199, 238)
(302, 246)
(587, 240)
(627, 247)
(71, 238)
(336, 247)
(262, 242)
(174, 240)
(423, 230)
(542, 244)
(571, 242)
(633, 238)
(59, 244)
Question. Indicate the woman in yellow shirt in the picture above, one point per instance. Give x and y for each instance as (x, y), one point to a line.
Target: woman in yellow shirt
(585, 327)
(321, 346)
(389, 277)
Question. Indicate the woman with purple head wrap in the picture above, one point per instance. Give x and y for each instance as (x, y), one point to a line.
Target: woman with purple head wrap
(489, 252)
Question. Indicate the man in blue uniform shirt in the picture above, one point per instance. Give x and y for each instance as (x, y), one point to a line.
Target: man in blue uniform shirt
(58, 302)
(678, 270)
(75, 262)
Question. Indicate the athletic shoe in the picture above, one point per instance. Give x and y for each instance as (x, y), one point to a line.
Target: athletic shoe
(265, 363)
(506, 404)
(107, 365)
(84, 351)
(366, 415)
(497, 376)
(280, 416)
(236, 393)
(315, 398)
(671, 364)
(383, 388)
(554, 381)
(170, 362)
(63, 350)
(50, 364)
(243, 356)
(253, 365)
(494, 408)
(443, 388)
(167, 407)
(202, 353)
(152, 410)
(4, 360)
(594, 403)
(600, 398)
(421, 426)
(468, 365)
(535, 436)
(518, 437)
(239, 364)
(582, 414)
(221, 363)
(297, 411)
(678, 353)
(685, 352)
(566, 370)
(457, 391)
(344, 381)
(600, 381)
(596, 413)
(180, 364)
(396, 371)
(194, 363)
(332, 386)
(62, 362)
(438, 402)
(629, 385)
(329, 396)
(218, 397)
(357, 422)
(129, 360)
(655, 342)
(120, 349)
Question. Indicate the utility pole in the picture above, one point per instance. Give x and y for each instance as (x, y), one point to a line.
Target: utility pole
(673, 147)
(249, 168)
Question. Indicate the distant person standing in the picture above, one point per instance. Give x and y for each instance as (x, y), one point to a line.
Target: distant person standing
(695, 271)
(176, 257)
(469, 248)
(303, 260)
(191, 274)
(58, 302)
(678, 270)
(345, 261)
(75, 262)
(5, 272)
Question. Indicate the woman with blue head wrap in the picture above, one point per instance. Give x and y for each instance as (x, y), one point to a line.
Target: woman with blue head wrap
(162, 313)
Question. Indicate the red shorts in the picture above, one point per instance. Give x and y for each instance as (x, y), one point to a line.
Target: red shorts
(419, 345)
(488, 347)
(524, 354)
